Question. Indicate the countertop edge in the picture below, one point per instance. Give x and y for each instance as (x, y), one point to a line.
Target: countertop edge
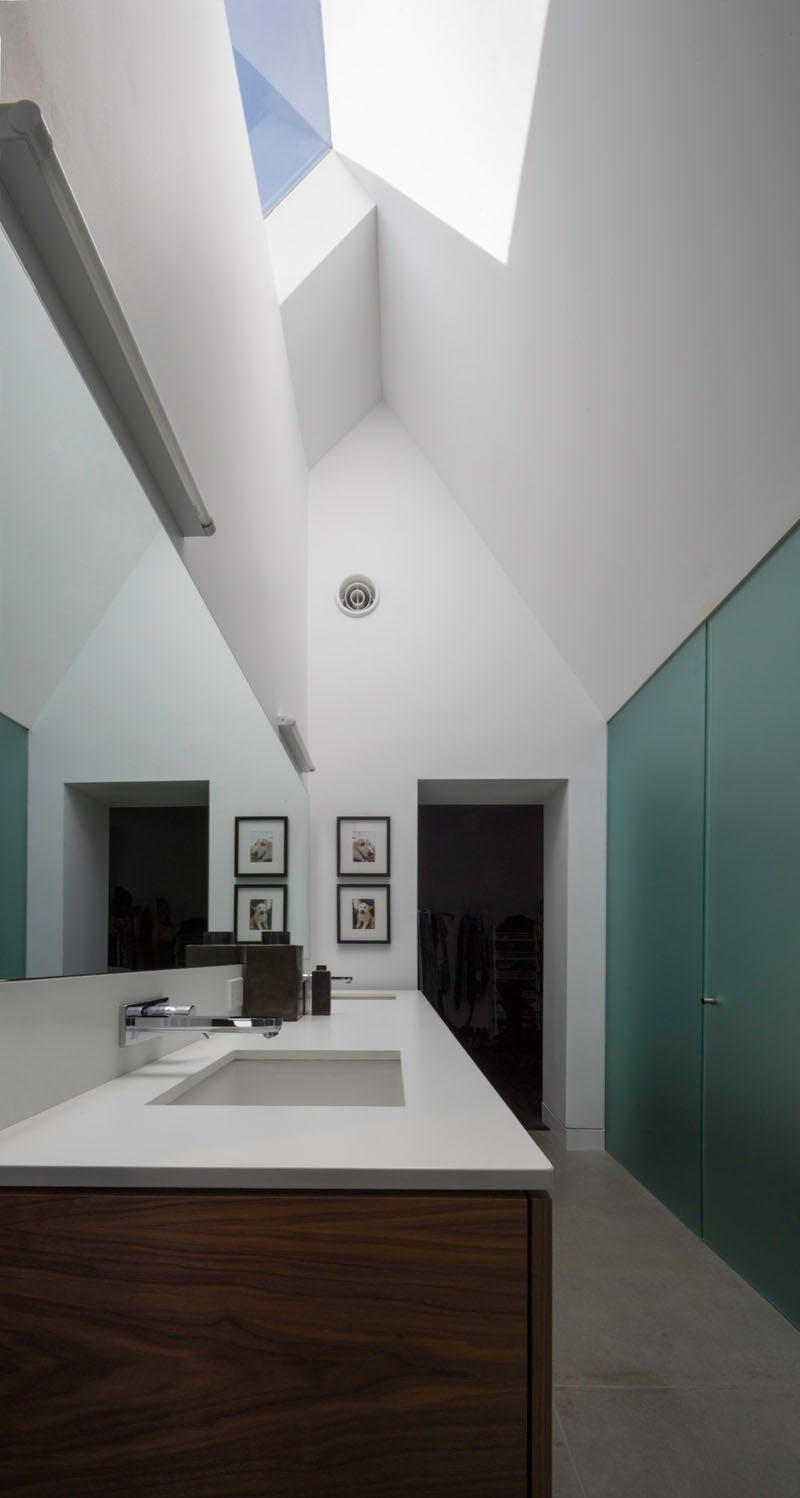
(293, 1179)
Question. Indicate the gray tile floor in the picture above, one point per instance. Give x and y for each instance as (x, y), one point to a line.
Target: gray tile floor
(673, 1379)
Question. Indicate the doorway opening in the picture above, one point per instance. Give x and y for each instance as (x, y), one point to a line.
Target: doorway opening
(135, 874)
(158, 878)
(481, 935)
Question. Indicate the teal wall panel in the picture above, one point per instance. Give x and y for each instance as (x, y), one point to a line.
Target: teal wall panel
(752, 1039)
(656, 753)
(13, 846)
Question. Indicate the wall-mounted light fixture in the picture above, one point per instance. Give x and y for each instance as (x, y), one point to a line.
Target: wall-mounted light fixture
(46, 228)
(293, 744)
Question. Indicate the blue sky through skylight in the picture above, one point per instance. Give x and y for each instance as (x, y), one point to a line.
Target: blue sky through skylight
(280, 64)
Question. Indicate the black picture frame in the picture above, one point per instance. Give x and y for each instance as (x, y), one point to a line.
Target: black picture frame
(248, 832)
(376, 895)
(355, 836)
(245, 896)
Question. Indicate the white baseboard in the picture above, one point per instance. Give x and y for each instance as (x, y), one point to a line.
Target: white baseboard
(586, 1139)
(573, 1139)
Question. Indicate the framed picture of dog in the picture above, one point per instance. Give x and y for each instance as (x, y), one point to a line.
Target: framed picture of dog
(362, 845)
(257, 908)
(261, 846)
(362, 913)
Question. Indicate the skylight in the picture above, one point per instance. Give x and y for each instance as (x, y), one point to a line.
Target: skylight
(435, 96)
(280, 63)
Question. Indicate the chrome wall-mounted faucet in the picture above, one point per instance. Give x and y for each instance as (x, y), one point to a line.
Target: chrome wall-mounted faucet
(151, 1017)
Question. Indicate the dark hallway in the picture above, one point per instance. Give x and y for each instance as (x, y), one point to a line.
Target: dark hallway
(480, 882)
(158, 883)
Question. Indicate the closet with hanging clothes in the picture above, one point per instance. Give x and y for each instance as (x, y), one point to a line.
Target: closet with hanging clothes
(480, 939)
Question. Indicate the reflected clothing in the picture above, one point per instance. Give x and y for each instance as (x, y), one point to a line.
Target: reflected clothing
(434, 960)
(473, 965)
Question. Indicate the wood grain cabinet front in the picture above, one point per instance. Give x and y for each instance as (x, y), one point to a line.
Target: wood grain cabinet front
(181, 1344)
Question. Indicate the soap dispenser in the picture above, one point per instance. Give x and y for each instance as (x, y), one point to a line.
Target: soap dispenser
(321, 989)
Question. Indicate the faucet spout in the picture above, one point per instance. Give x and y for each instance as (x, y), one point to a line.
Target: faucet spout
(157, 1016)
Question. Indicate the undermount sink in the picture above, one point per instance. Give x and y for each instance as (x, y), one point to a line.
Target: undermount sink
(334, 1079)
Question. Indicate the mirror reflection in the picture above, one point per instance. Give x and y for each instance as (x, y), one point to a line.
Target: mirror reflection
(130, 741)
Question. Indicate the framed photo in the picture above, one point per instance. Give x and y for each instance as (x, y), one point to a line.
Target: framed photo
(362, 913)
(257, 908)
(261, 846)
(363, 845)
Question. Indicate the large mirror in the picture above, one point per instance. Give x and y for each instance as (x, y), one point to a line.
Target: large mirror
(130, 740)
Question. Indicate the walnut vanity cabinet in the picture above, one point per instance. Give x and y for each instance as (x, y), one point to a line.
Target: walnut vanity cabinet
(194, 1344)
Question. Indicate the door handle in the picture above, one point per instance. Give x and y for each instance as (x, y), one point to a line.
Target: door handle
(706, 1000)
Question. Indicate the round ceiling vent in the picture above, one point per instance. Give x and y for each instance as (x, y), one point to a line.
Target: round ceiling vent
(357, 594)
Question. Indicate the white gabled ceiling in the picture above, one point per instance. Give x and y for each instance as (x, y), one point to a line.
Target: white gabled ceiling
(616, 408)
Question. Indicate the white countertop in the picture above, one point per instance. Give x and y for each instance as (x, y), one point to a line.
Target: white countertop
(453, 1133)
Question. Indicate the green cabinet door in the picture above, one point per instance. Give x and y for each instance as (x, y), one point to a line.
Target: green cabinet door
(656, 760)
(751, 1167)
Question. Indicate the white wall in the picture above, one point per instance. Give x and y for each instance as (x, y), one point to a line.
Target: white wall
(450, 678)
(142, 101)
(332, 328)
(86, 885)
(323, 246)
(155, 694)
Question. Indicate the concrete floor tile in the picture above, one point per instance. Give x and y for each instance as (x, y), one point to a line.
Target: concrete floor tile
(566, 1483)
(640, 1300)
(680, 1443)
(666, 1324)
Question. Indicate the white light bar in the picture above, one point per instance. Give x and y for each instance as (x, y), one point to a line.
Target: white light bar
(46, 228)
(293, 744)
